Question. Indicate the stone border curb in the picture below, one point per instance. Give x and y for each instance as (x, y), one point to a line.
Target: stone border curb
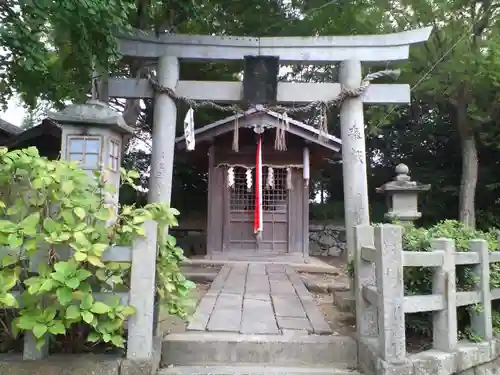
(481, 358)
(81, 364)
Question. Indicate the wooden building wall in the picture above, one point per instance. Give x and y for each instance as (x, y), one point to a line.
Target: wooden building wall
(220, 153)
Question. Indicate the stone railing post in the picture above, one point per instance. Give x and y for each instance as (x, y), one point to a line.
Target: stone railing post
(444, 283)
(140, 347)
(402, 196)
(30, 351)
(390, 286)
(481, 318)
(364, 275)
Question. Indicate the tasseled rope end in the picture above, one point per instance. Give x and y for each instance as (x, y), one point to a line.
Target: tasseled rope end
(394, 74)
(280, 138)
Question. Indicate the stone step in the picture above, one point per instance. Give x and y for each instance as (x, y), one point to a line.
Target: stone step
(324, 287)
(200, 276)
(345, 301)
(312, 264)
(202, 348)
(231, 369)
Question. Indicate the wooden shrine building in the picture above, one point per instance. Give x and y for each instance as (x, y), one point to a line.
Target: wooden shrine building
(233, 231)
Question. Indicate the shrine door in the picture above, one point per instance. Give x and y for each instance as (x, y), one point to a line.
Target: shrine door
(240, 236)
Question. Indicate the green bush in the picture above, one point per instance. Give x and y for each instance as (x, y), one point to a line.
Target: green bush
(418, 280)
(49, 207)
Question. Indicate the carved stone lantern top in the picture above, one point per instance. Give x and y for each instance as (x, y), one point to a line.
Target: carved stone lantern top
(93, 113)
(402, 182)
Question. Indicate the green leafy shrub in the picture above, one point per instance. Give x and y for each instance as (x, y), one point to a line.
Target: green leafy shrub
(418, 280)
(55, 225)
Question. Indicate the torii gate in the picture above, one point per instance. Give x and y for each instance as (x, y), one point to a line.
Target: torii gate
(351, 51)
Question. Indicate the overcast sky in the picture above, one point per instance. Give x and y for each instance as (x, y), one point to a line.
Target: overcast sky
(14, 114)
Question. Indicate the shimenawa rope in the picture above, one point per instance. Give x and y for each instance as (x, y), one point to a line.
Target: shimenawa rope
(280, 142)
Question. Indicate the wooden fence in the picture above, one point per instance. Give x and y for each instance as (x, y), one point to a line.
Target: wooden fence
(142, 256)
(379, 287)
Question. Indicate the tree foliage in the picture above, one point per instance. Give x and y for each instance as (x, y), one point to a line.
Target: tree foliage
(457, 71)
(454, 78)
(51, 47)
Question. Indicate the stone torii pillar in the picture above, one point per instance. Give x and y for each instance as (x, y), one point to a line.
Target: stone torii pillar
(163, 147)
(164, 125)
(352, 127)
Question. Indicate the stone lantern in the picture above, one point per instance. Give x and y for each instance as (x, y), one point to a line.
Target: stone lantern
(402, 196)
(93, 134)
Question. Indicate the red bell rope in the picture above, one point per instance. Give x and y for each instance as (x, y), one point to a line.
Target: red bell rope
(258, 219)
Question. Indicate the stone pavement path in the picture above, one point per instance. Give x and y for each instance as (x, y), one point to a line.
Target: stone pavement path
(258, 298)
